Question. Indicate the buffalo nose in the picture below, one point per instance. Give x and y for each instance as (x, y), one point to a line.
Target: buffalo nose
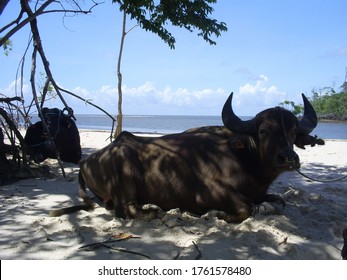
(290, 158)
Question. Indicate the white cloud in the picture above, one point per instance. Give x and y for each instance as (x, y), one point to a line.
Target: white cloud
(147, 99)
(15, 88)
(258, 96)
(172, 101)
(185, 97)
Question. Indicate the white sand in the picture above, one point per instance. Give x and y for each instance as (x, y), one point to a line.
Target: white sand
(310, 227)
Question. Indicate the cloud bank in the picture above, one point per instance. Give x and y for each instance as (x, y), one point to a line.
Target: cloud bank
(147, 99)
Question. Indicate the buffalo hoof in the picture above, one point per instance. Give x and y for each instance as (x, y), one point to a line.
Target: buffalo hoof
(268, 208)
(274, 198)
(137, 212)
(243, 214)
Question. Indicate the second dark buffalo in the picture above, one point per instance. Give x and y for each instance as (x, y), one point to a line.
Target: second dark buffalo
(64, 138)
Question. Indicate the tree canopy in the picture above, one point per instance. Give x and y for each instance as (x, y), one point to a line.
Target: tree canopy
(330, 104)
(188, 14)
(294, 108)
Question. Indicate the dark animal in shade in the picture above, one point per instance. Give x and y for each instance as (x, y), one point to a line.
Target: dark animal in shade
(225, 168)
(64, 133)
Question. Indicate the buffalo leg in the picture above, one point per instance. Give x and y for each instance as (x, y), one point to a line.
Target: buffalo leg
(114, 205)
(234, 218)
(274, 198)
(273, 204)
(128, 182)
(240, 209)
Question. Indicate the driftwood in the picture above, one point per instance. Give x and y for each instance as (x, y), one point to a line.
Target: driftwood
(13, 161)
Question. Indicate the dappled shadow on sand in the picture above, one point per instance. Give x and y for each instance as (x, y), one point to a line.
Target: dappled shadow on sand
(310, 227)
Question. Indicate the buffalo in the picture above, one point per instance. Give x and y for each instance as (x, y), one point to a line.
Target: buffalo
(225, 168)
(63, 138)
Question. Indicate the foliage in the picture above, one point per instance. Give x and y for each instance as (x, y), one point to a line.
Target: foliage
(294, 108)
(155, 16)
(45, 88)
(188, 14)
(327, 101)
(7, 46)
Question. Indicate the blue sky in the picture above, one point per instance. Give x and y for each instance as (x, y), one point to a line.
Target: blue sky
(272, 51)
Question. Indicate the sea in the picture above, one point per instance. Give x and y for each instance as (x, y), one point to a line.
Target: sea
(174, 124)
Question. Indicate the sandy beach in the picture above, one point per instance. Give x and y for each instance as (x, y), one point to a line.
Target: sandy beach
(310, 227)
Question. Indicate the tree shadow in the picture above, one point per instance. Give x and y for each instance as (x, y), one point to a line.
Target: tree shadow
(310, 227)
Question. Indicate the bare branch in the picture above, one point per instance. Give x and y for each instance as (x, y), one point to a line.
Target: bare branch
(24, 22)
(96, 106)
(38, 49)
(16, 21)
(3, 5)
(131, 29)
(79, 11)
(21, 70)
(41, 11)
(87, 102)
(10, 99)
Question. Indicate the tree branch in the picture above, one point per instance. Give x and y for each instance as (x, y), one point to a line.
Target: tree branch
(26, 21)
(131, 29)
(38, 12)
(38, 48)
(92, 104)
(3, 5)
(13, 128)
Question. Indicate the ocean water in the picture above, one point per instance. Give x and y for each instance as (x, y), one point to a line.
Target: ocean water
(151, 124)
(173, 124)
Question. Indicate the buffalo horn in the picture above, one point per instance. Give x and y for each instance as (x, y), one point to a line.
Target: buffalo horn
(233, 122)
(309, 120)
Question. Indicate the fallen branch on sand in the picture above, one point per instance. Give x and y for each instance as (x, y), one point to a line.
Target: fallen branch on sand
(113, 239)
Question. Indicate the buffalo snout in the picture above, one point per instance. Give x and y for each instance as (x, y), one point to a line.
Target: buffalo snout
(287, 159)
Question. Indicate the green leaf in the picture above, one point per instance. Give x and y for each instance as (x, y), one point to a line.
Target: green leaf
(157, 16)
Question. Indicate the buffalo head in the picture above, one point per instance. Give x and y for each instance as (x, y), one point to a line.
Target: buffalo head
(274, 132)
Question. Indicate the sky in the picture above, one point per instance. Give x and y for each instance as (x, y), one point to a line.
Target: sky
(272, 51)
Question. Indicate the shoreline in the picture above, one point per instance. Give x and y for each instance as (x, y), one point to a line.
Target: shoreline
(310, 227)
(332, 118)
(158, 134)
(324, 120)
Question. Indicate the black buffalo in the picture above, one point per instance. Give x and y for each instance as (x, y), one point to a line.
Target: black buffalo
(226, 168)
(65, 138)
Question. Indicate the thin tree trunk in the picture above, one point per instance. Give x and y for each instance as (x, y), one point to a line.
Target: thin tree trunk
(119, 127)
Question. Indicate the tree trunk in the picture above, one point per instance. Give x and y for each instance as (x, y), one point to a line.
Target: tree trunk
(119, 127)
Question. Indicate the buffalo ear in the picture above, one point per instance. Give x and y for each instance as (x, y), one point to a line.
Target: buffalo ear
(304, 139)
